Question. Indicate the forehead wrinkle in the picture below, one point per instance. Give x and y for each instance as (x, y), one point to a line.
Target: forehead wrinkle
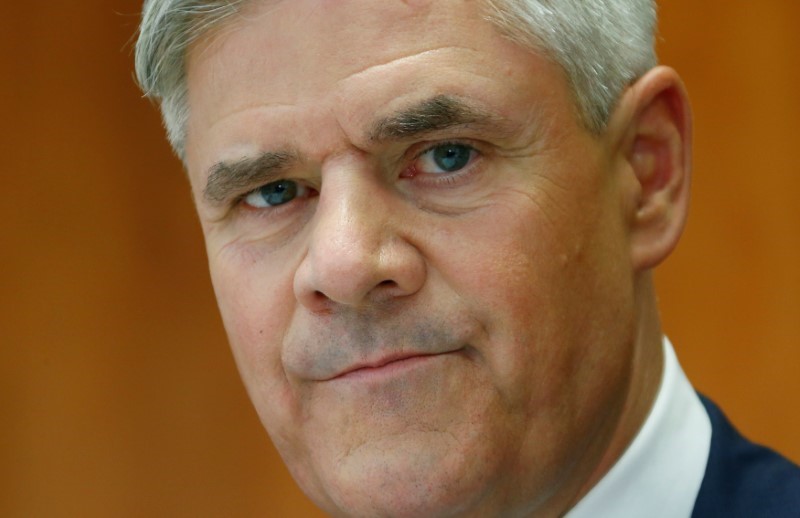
(398, 60)
(248, 107)
(252, 12)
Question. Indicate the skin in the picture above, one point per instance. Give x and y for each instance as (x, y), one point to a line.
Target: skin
(481, 342)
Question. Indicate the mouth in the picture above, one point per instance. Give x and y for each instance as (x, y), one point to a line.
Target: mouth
(389, 366)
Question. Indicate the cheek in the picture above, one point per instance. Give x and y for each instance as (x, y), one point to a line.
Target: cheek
(539, 281)
(508, 262)
(256, 306)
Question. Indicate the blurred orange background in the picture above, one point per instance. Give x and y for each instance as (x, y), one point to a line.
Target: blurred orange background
(118, 394)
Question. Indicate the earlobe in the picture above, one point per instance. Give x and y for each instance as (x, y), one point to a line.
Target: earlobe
(657, 150)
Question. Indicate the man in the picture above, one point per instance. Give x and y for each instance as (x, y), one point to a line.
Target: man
(431, 228)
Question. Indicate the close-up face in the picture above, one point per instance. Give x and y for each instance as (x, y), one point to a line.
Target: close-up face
(420, 254)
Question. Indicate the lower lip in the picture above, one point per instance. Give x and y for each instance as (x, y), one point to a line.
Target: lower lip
(391, 369)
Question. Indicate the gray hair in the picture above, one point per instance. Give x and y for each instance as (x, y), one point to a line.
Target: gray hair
(602, 45)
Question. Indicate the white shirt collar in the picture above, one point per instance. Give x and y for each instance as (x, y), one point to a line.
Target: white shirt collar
(660, 473)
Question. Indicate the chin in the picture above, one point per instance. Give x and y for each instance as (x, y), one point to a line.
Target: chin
(410, 479)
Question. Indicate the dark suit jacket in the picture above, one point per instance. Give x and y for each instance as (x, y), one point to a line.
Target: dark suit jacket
(743, 479)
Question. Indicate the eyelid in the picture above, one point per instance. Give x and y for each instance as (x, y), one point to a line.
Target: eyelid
(424, 147)
(305, 192)
(418, 151)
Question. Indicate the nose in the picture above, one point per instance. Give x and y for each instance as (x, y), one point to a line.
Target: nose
(358, 252)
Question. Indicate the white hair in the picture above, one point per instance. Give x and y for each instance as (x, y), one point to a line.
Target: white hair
(602, 46)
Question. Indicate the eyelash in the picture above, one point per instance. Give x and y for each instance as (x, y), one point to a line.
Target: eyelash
(444, 179)
(275, 211)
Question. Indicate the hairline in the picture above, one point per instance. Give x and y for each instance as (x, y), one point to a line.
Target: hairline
(172, 90)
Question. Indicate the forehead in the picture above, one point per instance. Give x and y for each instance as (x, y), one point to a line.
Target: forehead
(300, 59)
(345, 35)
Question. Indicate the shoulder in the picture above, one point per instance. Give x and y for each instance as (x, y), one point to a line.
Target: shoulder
(745, 479)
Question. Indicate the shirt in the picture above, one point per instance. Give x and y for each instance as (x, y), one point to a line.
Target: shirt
(661, 471)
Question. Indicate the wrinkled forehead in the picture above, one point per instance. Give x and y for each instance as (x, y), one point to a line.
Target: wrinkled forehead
(323, 41)
(302, 70)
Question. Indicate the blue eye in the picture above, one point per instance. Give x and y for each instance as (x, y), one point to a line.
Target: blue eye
(274, 194)
(451, 157)
(446, 158)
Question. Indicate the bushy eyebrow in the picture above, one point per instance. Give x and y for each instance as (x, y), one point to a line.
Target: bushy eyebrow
(228, 178)
(431, 115)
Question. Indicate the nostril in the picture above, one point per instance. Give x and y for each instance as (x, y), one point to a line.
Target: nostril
(387, 284)
(319, 303)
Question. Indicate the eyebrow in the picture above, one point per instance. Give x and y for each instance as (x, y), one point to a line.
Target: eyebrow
(431, 115)
(441, 112)
(228, 178)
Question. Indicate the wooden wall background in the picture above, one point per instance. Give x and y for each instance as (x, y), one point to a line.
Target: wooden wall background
(118, 396)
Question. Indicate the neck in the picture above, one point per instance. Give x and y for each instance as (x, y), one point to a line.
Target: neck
(646, 372)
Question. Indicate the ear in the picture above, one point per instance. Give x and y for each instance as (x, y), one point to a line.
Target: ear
(654, 122)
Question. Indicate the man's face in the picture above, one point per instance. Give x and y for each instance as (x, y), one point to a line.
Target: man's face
(420, 255)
